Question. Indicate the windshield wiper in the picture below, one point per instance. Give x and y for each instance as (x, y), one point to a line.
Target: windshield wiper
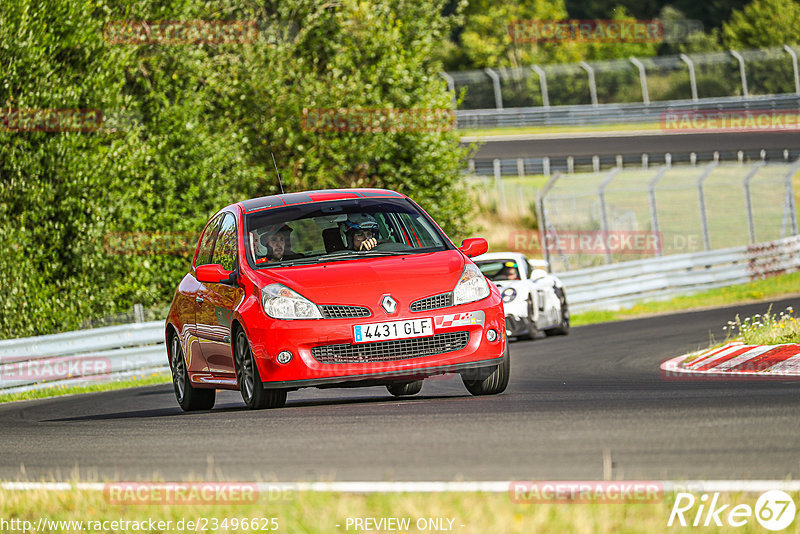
(338, 255)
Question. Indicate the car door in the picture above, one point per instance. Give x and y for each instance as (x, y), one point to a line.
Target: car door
(190, 290)
(216, 302)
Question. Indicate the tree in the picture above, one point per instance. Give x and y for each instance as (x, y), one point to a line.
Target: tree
(763, 23)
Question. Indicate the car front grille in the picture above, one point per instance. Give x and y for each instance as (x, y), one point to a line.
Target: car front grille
(389, 351)
(435, 302)
(330, 311)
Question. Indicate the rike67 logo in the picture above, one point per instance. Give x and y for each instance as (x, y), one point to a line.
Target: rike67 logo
(774, 510)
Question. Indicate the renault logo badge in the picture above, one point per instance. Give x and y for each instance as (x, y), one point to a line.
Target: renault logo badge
(389, 304)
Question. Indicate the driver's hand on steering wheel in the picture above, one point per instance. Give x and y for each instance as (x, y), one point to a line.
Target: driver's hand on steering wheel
(368, 244)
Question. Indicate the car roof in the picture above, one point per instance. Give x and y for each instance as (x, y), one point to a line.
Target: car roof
(321, 195)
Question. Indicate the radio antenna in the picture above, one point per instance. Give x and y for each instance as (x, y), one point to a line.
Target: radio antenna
(280, 182)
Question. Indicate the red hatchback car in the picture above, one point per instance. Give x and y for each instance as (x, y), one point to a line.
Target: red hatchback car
(333, 288)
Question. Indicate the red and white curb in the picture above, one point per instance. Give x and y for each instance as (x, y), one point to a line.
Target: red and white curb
(736, 360)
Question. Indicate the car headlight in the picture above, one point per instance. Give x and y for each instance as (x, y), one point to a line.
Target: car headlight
(280, 302)
(509, 294)
(472, 286)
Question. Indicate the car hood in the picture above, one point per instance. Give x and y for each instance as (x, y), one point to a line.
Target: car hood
(363, 281)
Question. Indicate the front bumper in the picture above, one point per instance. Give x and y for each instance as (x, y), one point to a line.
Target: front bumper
(269, 337)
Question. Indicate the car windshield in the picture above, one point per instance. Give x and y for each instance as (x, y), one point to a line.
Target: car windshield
(337, 231)
(498, 270)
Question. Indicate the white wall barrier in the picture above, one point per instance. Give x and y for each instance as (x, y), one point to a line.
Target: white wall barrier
(82, 357)
(621, 285)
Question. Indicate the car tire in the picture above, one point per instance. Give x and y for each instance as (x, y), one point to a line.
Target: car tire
(251, 387)
(405, 389)
(496, 382)
(532, 329)
(189, 398)
(563, 328)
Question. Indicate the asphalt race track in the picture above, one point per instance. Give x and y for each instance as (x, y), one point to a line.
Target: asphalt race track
(652, 141)
(569, 399)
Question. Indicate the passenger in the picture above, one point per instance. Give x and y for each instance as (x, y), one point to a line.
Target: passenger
(359, 231)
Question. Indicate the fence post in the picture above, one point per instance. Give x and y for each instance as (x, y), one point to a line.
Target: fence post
(546, 166)
(789, 202)
(138, 313)
(792, 53)
(451, 86)
(748, 206)
(592, 85)
(653, 207)
(692, 80)
(541, 216)
(742, 72)
(542, 84)
(701, 198)
(498, 182)
(601, 194)
(520, 167)
(498, 95)
(642, 79)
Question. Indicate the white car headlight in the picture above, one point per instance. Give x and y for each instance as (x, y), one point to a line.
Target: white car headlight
(509, 294)
(472, 286)
(280, 302)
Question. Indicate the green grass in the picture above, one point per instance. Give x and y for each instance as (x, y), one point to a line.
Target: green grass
(56, 390)
(489, 132)
(311, 513)
(759, 290)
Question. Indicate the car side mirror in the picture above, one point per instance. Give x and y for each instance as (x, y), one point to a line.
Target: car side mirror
(474, 246)
(214, 274)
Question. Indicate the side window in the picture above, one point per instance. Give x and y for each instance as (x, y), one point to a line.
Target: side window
(207, 242)
(225, 249)
(421, 235)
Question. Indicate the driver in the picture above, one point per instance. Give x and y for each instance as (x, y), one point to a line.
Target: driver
(508, 272)
(359, 231)
(276, 239)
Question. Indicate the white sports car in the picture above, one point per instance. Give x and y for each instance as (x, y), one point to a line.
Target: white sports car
(534, 300)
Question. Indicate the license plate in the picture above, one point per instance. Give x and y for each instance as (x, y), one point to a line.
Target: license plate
(363, 333)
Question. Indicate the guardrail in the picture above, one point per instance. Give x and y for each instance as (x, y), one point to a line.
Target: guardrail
(82, 357)
(116, 352)
(586, 114)
(621, 285)
(547, 165)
